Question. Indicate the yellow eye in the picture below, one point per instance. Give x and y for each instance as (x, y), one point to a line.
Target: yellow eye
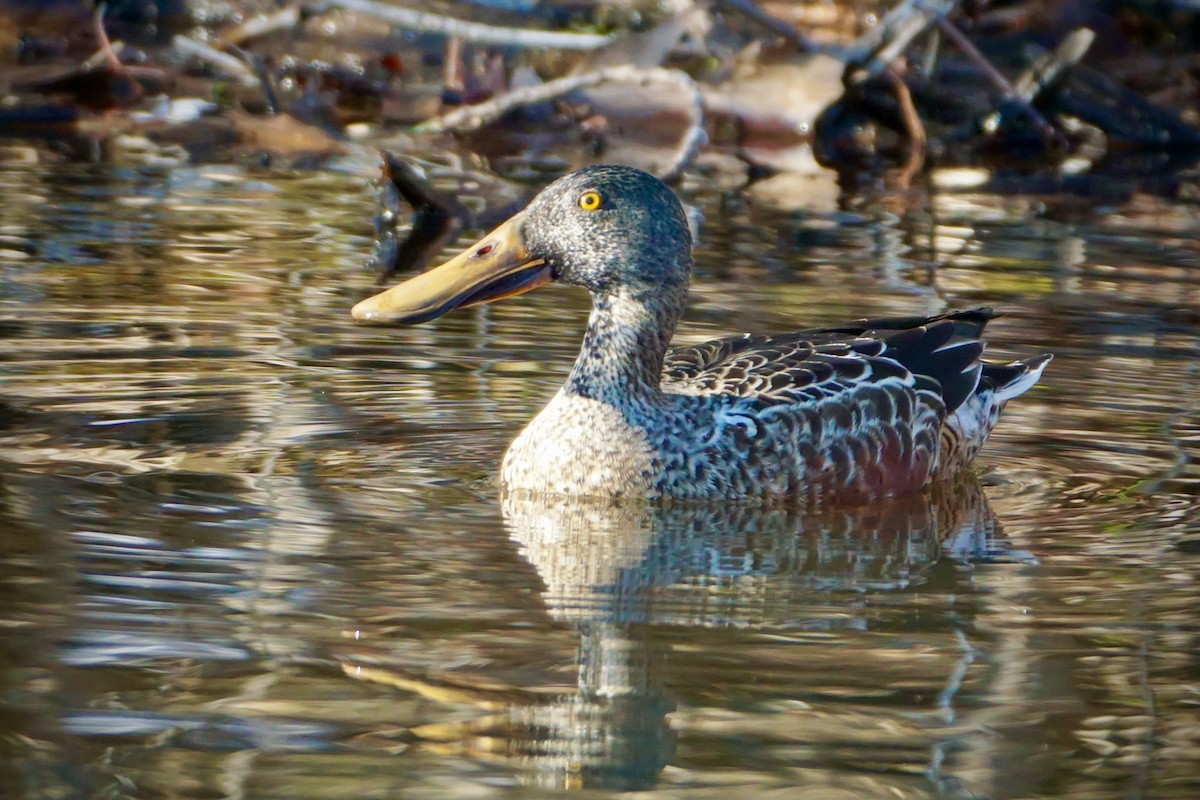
(590, 201)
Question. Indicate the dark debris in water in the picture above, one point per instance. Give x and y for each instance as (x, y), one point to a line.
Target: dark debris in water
(437, 218)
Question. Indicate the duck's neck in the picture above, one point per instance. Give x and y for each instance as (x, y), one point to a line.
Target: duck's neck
(621, 359)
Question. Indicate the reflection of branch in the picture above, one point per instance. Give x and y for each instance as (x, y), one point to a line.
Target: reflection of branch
(945, 701)
(449, 688)
(1143, 674)
(427, 22)
(436, 220)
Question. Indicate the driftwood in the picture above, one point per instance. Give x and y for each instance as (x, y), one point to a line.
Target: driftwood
(877, 52)
(427, 22)
(438, 218)
(1124, 115)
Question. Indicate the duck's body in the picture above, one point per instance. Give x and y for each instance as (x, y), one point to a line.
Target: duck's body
(877, 409)
(872, 409)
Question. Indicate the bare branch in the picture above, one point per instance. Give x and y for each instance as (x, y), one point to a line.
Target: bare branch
(261, 25)
(876, 49)
(427, 22)
(472, 118)
(225, 63)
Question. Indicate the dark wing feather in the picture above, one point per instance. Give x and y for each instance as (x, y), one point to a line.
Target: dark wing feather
(968, 323)
(942, 353)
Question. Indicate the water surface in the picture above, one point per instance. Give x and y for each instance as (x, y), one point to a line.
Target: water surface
(252, 550)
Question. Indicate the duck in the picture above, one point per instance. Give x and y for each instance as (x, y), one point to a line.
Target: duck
(855, 413)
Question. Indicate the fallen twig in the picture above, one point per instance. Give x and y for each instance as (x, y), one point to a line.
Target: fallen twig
(647, 48)
(261, 72)
(103, 55)
(427, 22)
(1044, 71)
(689, 146)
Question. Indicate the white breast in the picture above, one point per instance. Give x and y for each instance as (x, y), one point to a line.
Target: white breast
(582, 447)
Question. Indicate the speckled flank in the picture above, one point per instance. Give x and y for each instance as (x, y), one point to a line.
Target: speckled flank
(754, 418)
(868, 410)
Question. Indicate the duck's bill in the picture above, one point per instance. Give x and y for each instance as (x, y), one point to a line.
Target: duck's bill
(497, 266)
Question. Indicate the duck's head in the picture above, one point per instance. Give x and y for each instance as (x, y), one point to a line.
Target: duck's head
(606, 228)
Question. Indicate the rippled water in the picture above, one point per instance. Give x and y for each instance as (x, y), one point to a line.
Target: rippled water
(251, 550)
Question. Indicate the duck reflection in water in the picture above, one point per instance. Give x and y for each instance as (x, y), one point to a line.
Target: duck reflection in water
(620, 572)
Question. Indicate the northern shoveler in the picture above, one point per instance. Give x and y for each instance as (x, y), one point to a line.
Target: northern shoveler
(871, 409)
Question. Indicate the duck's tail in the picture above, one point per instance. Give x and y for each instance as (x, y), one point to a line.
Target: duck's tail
(969, 425)
(1013, 380)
